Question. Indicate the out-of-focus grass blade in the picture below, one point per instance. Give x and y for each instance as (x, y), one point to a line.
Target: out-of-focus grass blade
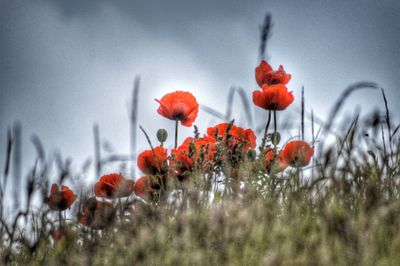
(133, 120)
(265, 33)
(212, 112)
(349, 90)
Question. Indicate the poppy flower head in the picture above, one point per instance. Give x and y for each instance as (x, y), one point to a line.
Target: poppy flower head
(96, 214)
(143, 187)
(113, 186)
(233, 135)
(279, 77)
(262, 71)
(297, 153)
(274, 97)
(204, 146)
(60, 200)
(272, 163)
(266, 75)
(247, 137)
(192, 153)
(181, 162)
(152, 162)
(221, 130)
(179, 105)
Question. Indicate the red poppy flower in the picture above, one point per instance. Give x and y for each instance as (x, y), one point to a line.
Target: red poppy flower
(96, 214)
(238, 135)
(193, 153)
(60, 200)
(274, 165)
(266, 75)
(181, 162)
(297, 153)
(274, 97)
(143, 187)
(113, 186)
(179, 105)
(247, 137)
(205, 146)
(152, 162)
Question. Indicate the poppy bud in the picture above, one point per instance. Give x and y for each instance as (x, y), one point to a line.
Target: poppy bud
(275, 138)
(162, 135)
(251, 154)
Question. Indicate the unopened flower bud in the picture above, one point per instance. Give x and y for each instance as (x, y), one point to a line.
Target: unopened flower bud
(162, 135)
(275, 138)
(251, 154)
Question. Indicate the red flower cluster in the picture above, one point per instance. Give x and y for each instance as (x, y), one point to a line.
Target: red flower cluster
(153, 163)
(233, 136)
(222, 142)
(274, 94)
(182, 161)
(95, 214)
(202, 146)
(192, 153)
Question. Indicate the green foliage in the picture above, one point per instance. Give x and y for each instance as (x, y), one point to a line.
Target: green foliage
(334, 227)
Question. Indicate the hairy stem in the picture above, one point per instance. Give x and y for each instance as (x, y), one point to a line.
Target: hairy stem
(275, 132)
(176, 133)
(264, 139)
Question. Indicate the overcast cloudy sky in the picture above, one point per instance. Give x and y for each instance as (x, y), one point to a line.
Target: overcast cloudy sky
(65, 64)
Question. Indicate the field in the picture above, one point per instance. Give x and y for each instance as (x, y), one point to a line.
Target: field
(221, 197)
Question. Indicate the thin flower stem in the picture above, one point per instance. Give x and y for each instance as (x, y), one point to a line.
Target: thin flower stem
(176, 134)
(264, 139)
(275, 132)
(60, 218)
(302, 113)
(147, 137)
(297, 178)
(120, 207)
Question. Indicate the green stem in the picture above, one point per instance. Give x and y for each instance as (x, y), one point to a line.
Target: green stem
(275, 130)
(121, 209)
(176, 133)
(264, 139)
(60, 218)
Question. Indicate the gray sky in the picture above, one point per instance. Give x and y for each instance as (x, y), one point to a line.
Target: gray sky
(66, 64)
